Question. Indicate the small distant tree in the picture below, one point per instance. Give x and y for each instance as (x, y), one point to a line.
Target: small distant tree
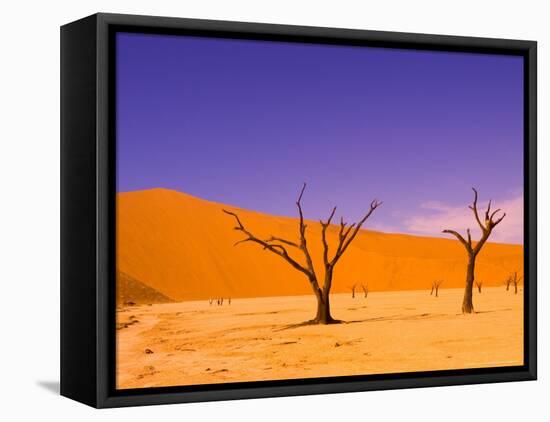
(472, 250)
(210, 301)
(507, 282)
(435, 287)
(365, 290)
(515, 281)
(352, 288)
(478, 285)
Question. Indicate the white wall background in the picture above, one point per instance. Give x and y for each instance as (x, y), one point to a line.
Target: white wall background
(29, 178)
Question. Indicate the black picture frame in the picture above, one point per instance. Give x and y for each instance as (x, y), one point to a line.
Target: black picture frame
(88, 210)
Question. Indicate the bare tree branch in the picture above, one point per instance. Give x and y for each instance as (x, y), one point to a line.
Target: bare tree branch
(278, 239)
(459, 237)
(281, 247)
(494, 223)
(488, 211)
(346, 233)
(490, 223)
(241, 241)
(276, 249)
(473, 207)
(346, 241)
(324, 226)
(494, 213)
(486, 228)
(303, 240)
(301, 193)
(342, 227)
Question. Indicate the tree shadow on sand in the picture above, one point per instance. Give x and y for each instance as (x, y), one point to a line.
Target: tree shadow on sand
(307, 323)
(494, 310)
(397, 317)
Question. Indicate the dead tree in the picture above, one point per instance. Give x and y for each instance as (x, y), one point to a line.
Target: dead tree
(280, 247)
(365, 290)
(478, 285)
(352, 288)
(515, 281)
(472, 250)
(507, 282)
(435, 287)
(210, 301)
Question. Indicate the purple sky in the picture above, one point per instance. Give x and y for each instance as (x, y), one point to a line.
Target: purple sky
(246, 122)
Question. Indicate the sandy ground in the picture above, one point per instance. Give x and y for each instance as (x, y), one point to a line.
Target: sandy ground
(190, 343)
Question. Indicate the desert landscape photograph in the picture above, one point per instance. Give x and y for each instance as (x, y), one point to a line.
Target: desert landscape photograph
(296, 211)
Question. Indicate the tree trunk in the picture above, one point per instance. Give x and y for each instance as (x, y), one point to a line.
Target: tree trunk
(323, 310)
(467, 305)
(323, 302)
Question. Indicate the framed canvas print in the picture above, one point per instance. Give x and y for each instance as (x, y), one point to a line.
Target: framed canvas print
(253, 210)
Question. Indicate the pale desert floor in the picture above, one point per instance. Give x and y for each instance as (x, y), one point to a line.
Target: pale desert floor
(190, 343)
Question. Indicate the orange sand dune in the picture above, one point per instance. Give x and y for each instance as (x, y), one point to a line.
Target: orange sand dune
(182, 247)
